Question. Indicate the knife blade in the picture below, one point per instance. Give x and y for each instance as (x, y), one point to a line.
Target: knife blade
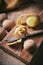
(12, 40)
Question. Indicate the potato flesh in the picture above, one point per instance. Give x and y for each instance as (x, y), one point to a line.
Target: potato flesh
(32, 21)
(19, 31)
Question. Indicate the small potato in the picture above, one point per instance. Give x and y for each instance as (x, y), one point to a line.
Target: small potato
(3, 16)
(2, 33)
(29, 45)
(8, 24)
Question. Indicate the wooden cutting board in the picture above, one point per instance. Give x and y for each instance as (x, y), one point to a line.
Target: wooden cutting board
(23, 55)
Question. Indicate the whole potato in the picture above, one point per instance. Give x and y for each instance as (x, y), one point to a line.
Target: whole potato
(30, 45)
(8, 24)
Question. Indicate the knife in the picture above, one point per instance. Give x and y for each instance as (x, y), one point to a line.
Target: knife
(12, 40)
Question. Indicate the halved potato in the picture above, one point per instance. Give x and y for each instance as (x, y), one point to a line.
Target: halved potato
(32, 21)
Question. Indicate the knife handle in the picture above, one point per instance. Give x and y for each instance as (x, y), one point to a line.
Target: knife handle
(32, 34)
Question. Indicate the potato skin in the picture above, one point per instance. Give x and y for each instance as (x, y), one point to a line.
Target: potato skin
(30, 45)
(14, 3)
(8, 24)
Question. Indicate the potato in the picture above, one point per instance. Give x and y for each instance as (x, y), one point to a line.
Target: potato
(32, 21)
(2, 33)
(29, 20)
(29, 45)
(3, 16)
(21, 19)
(13, 3)
(8, 24)
(20, 31)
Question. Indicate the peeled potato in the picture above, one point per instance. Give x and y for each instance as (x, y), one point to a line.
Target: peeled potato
(21, 19)
(29, 20)
(32, 21)
(8, 24)
(20, 31)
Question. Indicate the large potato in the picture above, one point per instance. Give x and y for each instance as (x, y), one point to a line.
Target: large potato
(32, 21)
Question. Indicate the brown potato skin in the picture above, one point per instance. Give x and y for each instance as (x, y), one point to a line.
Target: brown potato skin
(8, 24)
(30, 45)
(17, 3)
